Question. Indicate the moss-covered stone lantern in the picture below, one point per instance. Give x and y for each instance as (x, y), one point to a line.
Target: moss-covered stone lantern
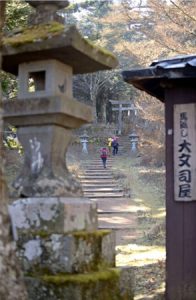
(44, 57)
(63, 254)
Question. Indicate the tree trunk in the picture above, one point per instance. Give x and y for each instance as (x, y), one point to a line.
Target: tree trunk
(11, 285)
(103, 113)
(94, 109)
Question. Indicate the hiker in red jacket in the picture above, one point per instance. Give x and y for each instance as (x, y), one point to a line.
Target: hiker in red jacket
(104, 154)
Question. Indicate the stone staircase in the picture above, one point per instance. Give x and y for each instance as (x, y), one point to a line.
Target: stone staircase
(98, 182)
(115, 211)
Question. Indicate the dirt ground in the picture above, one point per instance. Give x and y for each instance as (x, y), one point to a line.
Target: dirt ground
(146, 254)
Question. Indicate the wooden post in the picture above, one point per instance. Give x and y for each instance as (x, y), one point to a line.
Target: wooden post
(181, 221)
(173, 82)
(120, 119)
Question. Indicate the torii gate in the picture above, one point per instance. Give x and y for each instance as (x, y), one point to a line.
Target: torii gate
(120, 108)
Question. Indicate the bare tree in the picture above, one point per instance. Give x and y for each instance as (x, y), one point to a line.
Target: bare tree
(167, 27)
(11, 285)
(87, 88)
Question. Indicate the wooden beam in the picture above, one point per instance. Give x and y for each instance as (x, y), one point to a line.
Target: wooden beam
(123, 108)
(118, 102)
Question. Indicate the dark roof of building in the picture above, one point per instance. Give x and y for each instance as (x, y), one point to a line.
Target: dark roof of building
(153, 80)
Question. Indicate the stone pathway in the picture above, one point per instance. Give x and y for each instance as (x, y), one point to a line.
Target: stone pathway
(115, 211)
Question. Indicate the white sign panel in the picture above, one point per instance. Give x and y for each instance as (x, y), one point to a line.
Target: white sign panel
(185, 152)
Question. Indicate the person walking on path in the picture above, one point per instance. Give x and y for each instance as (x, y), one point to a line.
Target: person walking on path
(110, 145)
(115, 145)
(104, 154)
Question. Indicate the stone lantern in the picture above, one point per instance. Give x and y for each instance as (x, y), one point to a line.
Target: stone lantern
(55, 227)
(45, 57)
(134, 141)
(84, 141)
(173, 82)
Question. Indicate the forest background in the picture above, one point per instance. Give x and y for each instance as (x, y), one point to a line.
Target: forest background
(137, 32)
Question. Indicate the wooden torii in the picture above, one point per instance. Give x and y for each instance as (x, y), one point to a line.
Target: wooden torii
(120, 107)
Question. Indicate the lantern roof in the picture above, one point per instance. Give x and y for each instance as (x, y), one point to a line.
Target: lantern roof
(162, 73)
(54, 41)
(60, 4)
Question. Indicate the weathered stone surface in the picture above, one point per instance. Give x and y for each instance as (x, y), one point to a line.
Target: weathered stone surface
(53, 215)
(44, 171)
(72, 253)
(67, 113)
(65, 44)
(50, 78)
(46, 11)
(103, 285)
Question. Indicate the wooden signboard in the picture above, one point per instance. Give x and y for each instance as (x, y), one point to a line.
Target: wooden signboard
(185, 152)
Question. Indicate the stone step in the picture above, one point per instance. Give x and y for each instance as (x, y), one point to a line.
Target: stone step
(101, 189)
(97, 165)
(117, 221)
(98, 161)
(89, 163)
(127, 236)
(114, 205)
(77, 252)
(91, 195)
(100, 185)
(109, 158)
(111, 284)
(95, 177)
(98, 181)
(99, 168)
(97, 173)
(111, 212)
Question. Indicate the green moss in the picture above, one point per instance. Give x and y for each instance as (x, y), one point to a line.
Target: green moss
(95, 240)
(33, 33)
(41, 233)
(103, 50)
(85, 235)
(95, 285)
(61, 279)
